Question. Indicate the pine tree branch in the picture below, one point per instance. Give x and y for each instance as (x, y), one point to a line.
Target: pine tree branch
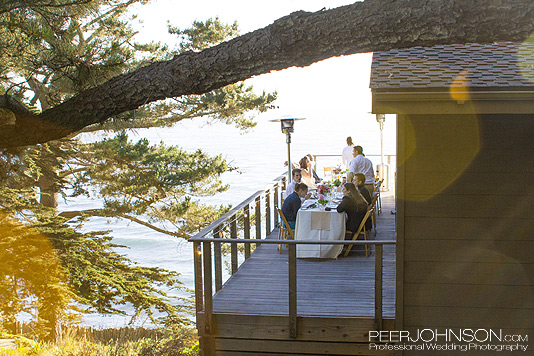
(299, 39)
(69, 215)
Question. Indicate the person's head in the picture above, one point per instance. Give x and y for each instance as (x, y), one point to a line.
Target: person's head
(357, 150)
(296, 174)
(301, 189)
(349, 189)
(303, 163)
(349, 141)
(359, 179)
(310, 158)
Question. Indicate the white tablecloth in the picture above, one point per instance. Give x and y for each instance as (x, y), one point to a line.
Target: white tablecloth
(315, 224)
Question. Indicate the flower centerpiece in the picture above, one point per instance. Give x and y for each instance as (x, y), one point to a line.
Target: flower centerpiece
(322, 202)
(323, 188)
(336, 171)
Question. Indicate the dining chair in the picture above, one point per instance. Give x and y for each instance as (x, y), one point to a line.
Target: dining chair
(373, 206)
(328, 171)
(285, 230)
(361, 231)
(378, 185)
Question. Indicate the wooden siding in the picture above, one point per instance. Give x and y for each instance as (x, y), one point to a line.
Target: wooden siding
(466, 239)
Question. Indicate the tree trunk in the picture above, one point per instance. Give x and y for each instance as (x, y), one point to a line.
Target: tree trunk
(299, 39)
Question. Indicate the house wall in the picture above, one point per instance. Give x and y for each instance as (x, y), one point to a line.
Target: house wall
(465, 223)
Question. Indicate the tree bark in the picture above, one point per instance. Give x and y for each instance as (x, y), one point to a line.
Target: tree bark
(299, 39)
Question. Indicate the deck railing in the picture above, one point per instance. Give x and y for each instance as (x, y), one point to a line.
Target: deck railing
(204, 275)
(234, 228)
(256, 211)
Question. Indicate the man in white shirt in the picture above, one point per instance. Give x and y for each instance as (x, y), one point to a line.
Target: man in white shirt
(347, 152)
(362, 164)
(296, 177)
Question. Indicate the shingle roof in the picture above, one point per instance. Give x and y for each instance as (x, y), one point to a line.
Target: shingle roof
(497, 65)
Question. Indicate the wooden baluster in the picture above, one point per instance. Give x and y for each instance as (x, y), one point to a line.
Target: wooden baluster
(233, 245)
(197, 262)
(246, 232)
(378, 286)
(217, 259)
(257, 212)
(292, 290)
(268, 213)
(276, 204)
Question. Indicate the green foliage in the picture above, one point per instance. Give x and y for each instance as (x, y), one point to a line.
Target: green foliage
(169, 341)
(50, 51)
(47, 264)
(202, 35)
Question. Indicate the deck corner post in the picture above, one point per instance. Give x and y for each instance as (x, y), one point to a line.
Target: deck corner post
(197, 261)
(208, 291)
(378, 286)
(292, 290)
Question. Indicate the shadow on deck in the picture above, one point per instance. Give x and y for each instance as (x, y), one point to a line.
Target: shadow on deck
(335, 302)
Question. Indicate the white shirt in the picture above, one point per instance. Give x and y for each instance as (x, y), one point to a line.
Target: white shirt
(289, 189)
(347, 155)
(361, 164)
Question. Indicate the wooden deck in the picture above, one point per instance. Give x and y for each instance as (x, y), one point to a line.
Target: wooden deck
(335, 301)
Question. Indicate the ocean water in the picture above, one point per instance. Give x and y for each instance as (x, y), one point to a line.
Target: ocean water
(333, 108)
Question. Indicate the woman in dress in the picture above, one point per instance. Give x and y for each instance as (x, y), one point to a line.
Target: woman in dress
(307, 176)
(355, 206)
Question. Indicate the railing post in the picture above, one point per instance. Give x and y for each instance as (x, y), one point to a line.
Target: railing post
(378, 286)
(292, 290)
(197, 261)
(284, 179)
(246, 227)
(267, 212)
(233, 245)
(208, 294)
(217, 259)
(257, 213)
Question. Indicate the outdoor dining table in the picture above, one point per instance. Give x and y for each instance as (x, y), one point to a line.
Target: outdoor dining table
(321, 225)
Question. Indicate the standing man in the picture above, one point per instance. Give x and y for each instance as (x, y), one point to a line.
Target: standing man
(362, 164)
(347, 152)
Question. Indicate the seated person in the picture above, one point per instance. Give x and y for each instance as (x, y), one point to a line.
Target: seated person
(307, 176)
(296, 177)
(354, 205)
(359, 182)
(293, 202)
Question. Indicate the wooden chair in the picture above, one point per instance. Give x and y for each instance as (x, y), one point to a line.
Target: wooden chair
(378, 185)
(361, 230)
(285, 230)
(328, 171)
(373, 206)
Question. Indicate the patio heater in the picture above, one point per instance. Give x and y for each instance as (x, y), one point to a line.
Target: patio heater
(287, 123)
(382, 169)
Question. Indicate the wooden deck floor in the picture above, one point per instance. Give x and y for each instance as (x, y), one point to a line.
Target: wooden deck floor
(325, 288)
